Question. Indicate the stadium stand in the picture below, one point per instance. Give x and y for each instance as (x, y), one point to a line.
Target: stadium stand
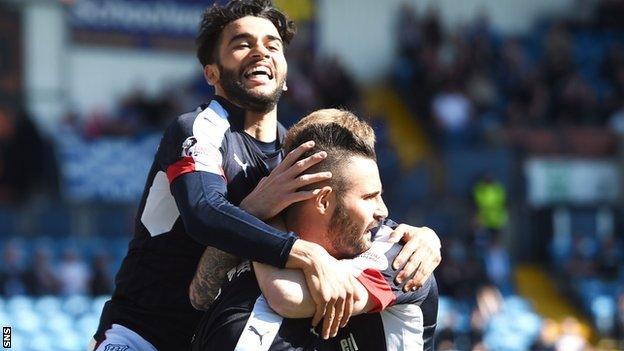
(455, 107)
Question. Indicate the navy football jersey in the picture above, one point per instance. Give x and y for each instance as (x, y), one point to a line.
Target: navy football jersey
(204, 166)
(241, 319)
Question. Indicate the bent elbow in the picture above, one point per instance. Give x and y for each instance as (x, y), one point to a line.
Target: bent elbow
(282, 307)
(197, 305)
(198, 302)
(283, 303)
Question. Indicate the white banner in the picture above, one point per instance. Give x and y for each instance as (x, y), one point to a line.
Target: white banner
(572, 181)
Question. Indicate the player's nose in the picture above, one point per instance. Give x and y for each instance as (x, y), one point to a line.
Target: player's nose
(381, 212)
(259, 50)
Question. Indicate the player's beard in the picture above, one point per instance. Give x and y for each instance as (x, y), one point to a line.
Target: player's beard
(346, 236)
(232, 84)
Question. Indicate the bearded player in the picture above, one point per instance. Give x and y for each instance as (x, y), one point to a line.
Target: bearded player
(341, 218)
(217, 172)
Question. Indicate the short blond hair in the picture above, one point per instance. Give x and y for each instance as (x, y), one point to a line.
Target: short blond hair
(359, 129)
(340, 133)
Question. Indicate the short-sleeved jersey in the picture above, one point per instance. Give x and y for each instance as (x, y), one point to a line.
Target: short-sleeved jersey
(205, 165)
(240, 319)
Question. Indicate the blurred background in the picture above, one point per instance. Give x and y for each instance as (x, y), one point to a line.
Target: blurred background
(500, 125)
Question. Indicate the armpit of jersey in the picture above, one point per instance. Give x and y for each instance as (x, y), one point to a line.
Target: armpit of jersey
(201, 151)
(160, 212)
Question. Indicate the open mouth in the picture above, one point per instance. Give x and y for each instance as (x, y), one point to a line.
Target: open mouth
(372, 226)
(258, 71)
(369, 229)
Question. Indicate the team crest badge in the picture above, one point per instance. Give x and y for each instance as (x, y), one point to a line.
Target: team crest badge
(187, 146)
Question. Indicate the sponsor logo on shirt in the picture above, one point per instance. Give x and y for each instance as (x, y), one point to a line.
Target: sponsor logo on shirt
(193, 148)
(348, 344)
(187, 146)
(240, 163)
(116, 347)
(255, 331)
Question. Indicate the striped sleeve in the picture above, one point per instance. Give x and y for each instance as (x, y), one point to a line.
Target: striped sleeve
(373, 269)
(194, 143)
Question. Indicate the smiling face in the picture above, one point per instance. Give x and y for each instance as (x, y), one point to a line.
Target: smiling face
(358, 209)
(250, 68)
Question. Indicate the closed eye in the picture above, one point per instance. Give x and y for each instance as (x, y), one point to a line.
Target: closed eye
(371, 195)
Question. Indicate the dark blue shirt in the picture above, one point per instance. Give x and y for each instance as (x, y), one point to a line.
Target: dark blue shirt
(241, 319)
(205, 165)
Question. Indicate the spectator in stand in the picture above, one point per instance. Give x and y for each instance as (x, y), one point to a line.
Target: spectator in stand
(20, 141)
(73, 274)
(41, 276)
(461, 273)
(609, 14)
(571, 336)
(335, 85)
(13, 279)
(556, 60)
(490, 199)
(489, 302)
(581, 263)
(452, 113)
(576, 102)
(610, 259)
(548, 336)
(101, 281)
(477, 330)
(498, 266)
(409, 35)
(612, 72)
(618, 330)
(616, 120)
(483, 92)
(447, 335)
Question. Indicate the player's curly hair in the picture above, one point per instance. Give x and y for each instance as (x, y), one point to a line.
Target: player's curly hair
(216, 17)
(340, 133)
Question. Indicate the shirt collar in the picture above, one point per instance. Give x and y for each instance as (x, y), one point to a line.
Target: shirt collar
(236, 115)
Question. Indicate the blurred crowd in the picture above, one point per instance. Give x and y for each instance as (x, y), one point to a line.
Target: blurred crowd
(42, 271)
(27, 160)
(473, 85)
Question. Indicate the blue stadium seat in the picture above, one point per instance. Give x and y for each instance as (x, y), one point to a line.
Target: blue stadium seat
(47, 306)
(603, 309)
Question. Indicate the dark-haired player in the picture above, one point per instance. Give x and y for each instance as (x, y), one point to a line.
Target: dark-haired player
(340, 218)
(210, 165)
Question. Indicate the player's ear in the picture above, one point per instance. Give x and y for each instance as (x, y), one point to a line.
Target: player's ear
(211, 73)
(285, 88)
(324, 199)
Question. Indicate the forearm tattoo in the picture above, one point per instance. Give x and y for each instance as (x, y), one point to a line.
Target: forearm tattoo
(210, 275)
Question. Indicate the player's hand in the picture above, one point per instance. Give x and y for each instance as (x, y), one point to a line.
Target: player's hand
(279, 189)
(331, 287)
(419, 257)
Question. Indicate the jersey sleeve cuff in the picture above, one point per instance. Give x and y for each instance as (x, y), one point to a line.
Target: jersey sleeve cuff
(187, 165)
(286, 250)
(378, 289)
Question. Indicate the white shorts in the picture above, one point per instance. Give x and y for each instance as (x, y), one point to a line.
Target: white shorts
(120, 338)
